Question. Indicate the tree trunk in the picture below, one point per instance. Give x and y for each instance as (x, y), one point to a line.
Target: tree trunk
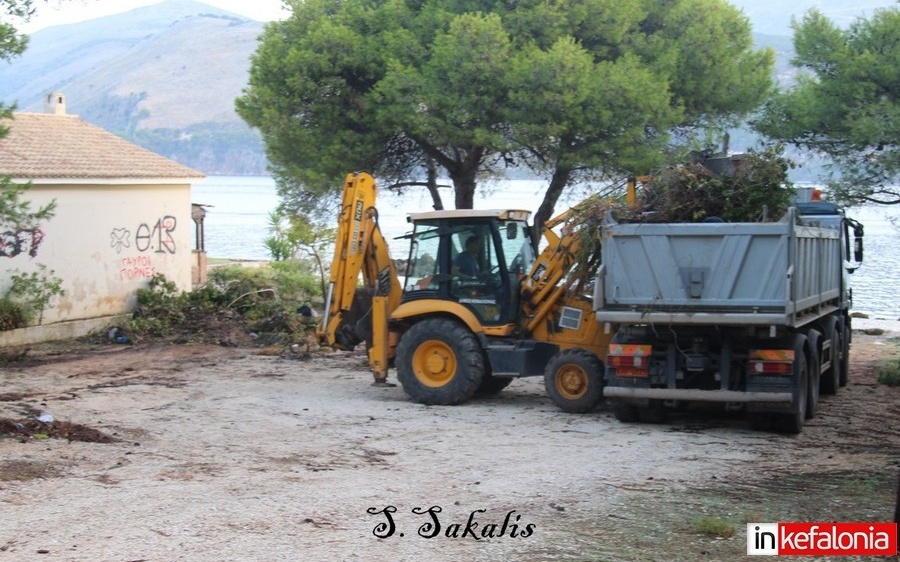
(431, 166)
(464, 186)
(558, 183)
(462, 165)
(464, 173)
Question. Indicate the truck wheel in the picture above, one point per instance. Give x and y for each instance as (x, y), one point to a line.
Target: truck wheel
(845, 353)
(813, 380)
(491, 385)
(831, 379)
(793, 422)
(439, 362)
(574, 381)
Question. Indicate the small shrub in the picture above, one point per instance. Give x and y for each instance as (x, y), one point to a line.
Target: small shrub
(159, 292)
(12, 315)
(241, 288)
(263, 300)
(888, 371)
(144, 327)
(159, 308)
(295, 280)
(28, 296)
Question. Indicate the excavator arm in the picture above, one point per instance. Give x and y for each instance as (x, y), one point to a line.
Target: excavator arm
(355, 312)
(575, 246)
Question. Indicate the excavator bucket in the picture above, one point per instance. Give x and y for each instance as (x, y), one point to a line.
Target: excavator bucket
(356, 323)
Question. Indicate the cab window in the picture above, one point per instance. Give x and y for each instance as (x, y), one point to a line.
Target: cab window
(423, 259)
(517, 249)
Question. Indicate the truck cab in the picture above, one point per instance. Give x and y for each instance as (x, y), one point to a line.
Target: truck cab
(813, 211)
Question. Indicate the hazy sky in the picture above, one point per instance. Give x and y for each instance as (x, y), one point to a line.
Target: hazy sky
(57, 12)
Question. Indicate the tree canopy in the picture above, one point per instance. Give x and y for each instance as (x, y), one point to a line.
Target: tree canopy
(14, 211)
(845, 103)
(572, 89)
(13, 43)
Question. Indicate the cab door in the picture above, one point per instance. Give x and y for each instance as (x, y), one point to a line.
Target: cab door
(476, 270)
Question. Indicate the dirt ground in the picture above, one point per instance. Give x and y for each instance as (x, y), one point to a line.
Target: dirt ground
(168, 452)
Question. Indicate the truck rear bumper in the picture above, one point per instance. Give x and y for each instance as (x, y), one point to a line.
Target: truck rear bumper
(696, 395)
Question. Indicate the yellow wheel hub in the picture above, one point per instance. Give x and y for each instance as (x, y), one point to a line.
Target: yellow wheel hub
(571, 382)
(434, 363)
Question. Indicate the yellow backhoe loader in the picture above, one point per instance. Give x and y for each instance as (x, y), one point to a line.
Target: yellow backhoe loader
(478, 305)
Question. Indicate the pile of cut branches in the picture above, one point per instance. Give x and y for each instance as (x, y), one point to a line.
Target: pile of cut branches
(753, 187)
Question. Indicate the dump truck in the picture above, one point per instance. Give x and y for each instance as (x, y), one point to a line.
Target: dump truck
(754, 316)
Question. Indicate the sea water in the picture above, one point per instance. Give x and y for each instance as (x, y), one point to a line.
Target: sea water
(237, 225)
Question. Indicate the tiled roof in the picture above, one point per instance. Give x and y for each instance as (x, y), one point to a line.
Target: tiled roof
(52, 146)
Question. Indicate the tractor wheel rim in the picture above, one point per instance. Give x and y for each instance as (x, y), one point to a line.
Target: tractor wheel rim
(434, 363)
(572, 382)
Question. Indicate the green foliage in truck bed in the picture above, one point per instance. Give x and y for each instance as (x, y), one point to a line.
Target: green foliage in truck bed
(751, 187)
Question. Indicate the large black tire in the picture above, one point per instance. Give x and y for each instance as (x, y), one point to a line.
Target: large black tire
(574, 380)
(831, 379)
(845, 352)
(813, 380)
(439, 362)
(793, 422)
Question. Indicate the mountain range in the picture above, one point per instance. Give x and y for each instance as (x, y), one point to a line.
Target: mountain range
(166, 76)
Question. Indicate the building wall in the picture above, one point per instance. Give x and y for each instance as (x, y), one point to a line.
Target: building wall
(104, 242)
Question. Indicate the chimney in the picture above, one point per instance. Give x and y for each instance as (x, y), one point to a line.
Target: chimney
(56, 104)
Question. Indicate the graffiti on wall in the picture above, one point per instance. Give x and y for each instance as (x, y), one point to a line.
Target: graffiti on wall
(137, 267)
(22, 241)
(119, 239)
(156, 237)
(149, 238)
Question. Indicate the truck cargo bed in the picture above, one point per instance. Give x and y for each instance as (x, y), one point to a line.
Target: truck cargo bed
(777, 273)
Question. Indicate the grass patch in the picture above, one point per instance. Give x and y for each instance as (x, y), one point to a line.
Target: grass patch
(714, 527)
(864, 485)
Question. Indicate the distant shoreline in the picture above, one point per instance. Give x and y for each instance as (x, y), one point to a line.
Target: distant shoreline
(872, 325)
(887, 326)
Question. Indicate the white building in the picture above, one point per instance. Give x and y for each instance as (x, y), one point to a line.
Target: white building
(123, 214)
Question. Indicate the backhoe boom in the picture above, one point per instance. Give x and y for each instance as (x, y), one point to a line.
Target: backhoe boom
(360, 249)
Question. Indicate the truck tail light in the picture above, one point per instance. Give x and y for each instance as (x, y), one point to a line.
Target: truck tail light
(771, 362)
(629, 360)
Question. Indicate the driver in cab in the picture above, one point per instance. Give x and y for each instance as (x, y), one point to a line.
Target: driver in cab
(466, 262)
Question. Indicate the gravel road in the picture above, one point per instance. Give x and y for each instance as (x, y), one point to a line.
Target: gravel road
(222, 453)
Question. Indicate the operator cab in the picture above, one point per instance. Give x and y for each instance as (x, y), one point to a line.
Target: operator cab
(475, 258)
